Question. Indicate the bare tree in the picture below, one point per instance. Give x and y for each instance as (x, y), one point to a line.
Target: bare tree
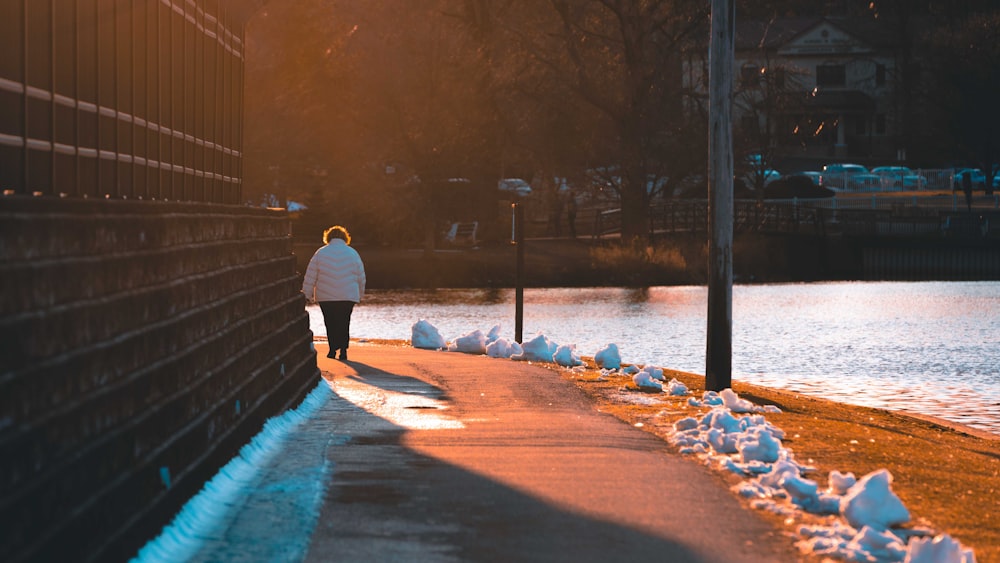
(624, 63)
(603, 77)
(966, 58)
(764, 92)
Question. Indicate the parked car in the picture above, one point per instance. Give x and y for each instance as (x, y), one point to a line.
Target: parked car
(769, 175)
(796, 186)
(563, 184)
(865, 183)
(900, 177)
(514, 185)
(975, 174)
(850, 177)
(816, 177)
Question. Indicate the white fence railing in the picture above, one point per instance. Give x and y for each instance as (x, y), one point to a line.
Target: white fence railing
(951, 202)
(920, 179)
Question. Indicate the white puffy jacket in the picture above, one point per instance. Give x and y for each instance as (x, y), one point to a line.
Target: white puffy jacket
(335, 273)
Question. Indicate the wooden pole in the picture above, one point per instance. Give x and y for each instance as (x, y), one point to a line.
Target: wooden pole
(719, 349)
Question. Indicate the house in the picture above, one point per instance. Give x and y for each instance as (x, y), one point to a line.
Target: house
(813, 88)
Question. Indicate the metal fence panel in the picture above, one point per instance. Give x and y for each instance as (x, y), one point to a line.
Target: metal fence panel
(136, 100)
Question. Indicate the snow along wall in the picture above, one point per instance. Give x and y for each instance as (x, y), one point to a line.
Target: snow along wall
(141, 344)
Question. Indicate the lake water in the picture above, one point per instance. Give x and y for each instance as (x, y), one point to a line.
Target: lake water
(926, 347)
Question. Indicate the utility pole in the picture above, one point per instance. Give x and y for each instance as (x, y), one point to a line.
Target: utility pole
(719, 348)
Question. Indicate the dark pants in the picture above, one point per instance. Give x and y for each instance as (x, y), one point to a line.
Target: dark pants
(337, 316)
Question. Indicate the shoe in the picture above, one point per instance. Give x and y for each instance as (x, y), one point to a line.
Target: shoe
(343, 356)
(331, 356)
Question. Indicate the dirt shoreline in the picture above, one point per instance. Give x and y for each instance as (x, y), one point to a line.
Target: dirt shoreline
(952, 425)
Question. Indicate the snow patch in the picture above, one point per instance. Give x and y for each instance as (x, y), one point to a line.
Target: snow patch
(608, 357)
(424, 335)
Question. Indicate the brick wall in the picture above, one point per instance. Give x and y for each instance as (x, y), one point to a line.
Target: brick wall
(141, 344)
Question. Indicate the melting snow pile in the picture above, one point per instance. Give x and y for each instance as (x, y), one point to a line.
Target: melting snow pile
(425, 335)
(651, 377)
(608, 358)
(864, 515)
(539, 349)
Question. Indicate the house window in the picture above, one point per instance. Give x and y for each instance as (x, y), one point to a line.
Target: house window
(880, 124)
(831, 75)
(750, 76)
(880, 75)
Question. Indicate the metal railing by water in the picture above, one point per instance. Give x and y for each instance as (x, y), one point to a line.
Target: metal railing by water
(934, 216)
(918, 179)
(691, 216)
(952, 202)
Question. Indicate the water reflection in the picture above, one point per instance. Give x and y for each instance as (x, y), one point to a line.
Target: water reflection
(438, 297)
(927, 346)
(637, 295)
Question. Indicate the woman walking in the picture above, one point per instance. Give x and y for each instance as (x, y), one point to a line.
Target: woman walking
(335, 278)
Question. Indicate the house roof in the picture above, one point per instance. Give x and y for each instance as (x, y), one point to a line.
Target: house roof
(771, 34)
(753, 35)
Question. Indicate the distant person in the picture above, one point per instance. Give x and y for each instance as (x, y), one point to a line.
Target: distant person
(557, 207)
(335, 278)
(967, 188)
(571, 214)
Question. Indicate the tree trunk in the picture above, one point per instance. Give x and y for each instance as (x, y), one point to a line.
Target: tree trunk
(635, 215)
(634, 193)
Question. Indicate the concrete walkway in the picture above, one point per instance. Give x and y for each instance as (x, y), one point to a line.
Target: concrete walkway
(452, 457)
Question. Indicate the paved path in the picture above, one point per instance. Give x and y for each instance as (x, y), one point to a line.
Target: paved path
(453, 457)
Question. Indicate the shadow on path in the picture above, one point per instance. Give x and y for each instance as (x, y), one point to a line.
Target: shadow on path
(387, 502)
(521, 473)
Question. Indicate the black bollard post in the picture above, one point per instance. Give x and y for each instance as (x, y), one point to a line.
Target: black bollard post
(517, 236)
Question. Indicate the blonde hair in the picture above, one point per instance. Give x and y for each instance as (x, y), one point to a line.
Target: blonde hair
(336, 231)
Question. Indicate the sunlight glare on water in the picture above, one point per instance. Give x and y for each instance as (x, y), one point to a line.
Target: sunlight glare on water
(929, 347)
